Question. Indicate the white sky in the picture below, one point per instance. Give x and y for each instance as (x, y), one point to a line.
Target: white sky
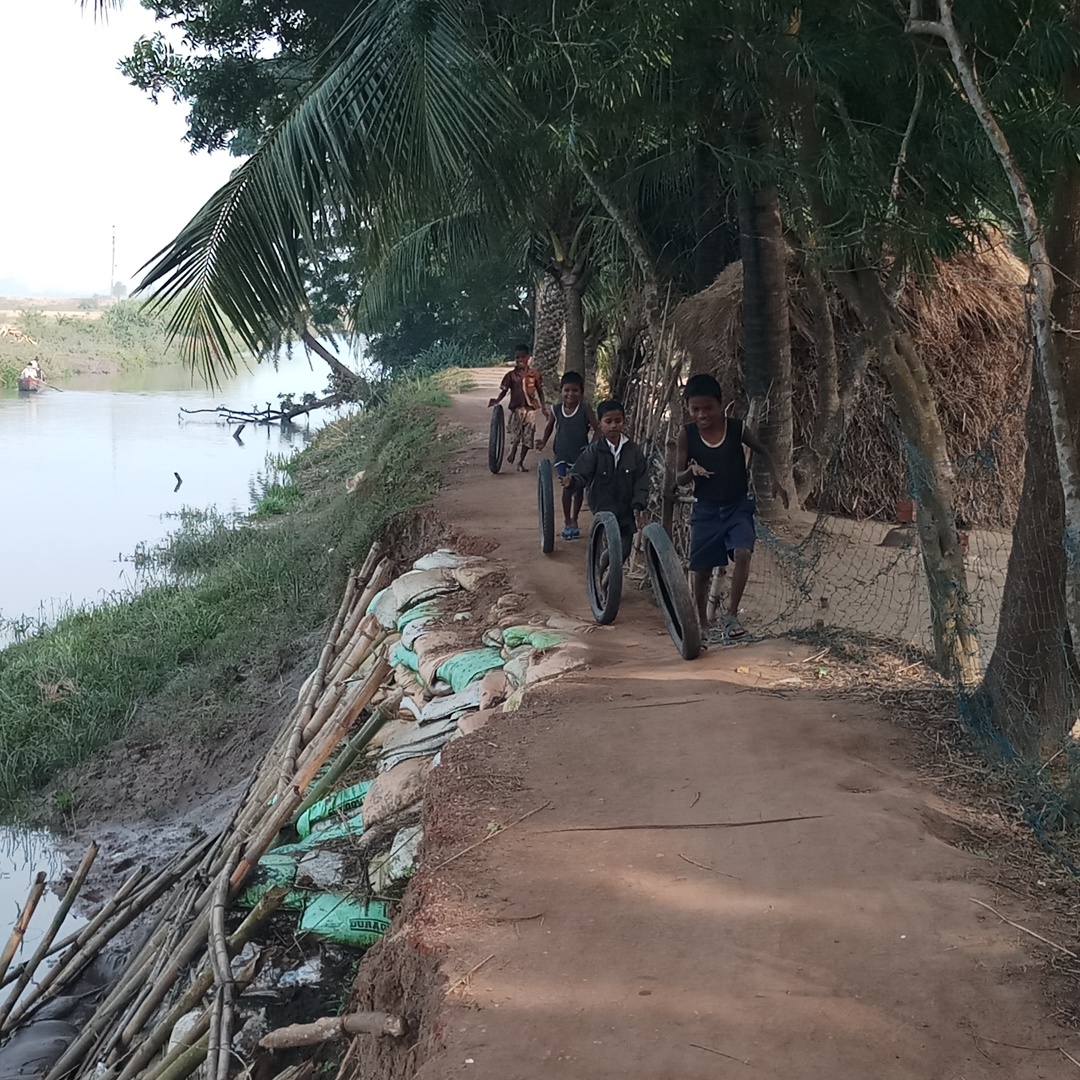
(81, 150)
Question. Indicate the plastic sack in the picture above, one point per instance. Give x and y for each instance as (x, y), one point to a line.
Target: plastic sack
(419, 585)
(532, 635)
(274, 869)
(384, 606)
(466, 667)
(445, 559)
(341, 802)
(344, 920)
(401, 655)
(426, 610)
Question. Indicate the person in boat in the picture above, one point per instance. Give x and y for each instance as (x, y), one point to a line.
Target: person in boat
(32, 371)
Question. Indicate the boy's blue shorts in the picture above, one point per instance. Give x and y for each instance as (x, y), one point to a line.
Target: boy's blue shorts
(716, 531)
(562, 468)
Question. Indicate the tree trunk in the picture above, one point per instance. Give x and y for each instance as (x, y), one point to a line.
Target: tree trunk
(827, 423)
(593, 336)
(343, 379)
(930, 475)
(767, 333)
(572, 285)
(1032, 684)
(548, 327)
(710, 255)
(628, 354)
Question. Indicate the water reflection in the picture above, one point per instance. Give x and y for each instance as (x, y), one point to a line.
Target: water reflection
(88, 472)
(23, 853)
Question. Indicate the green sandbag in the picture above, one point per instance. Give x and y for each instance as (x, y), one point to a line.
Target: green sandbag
(341, 802)
(342, 919)
(353, 827)
(400, 655)
(465, 668)
(426, 610)
(275, 868)
(531, 635)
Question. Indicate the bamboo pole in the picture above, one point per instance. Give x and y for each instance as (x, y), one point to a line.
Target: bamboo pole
(18, 931)
(313, 688)
(42, 950)
(386, 711)
(369, 688)
(219, 961)
(142, 1054)
(380, 578)
(368, 634)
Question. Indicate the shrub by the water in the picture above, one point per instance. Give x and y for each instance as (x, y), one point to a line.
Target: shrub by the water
(243, 598)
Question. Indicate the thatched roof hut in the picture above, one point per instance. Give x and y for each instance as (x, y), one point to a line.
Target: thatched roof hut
(968, 319)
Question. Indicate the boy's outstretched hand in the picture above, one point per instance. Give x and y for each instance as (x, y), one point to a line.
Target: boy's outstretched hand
(540, 445)
(565, 480)
(492, 402)
(697, 470)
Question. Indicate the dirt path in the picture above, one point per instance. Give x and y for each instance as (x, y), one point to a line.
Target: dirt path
(660, 919)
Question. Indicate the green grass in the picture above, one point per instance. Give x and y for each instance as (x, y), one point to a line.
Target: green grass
(124, 336)
(241, 601)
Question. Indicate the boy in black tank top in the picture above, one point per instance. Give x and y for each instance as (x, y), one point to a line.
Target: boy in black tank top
(711, 454)
(573, 422)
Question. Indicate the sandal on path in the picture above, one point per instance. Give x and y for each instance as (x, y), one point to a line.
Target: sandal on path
(732, 627)
(568, 534)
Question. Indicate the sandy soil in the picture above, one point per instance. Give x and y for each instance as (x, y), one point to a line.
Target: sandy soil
(714, 879)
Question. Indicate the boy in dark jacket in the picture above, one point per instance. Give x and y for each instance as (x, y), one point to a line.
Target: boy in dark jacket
(613, 472)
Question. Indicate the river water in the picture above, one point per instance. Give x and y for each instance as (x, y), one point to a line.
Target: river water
(87, 477)
(89, 473)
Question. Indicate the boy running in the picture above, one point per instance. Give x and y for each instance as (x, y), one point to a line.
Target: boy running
(525, 386)
(710, 453)
(571, 420)
(613, 473)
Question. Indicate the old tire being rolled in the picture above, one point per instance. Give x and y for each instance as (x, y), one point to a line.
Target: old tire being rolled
(671, 591)
(496, 439)
(604, 567)
(545, 498)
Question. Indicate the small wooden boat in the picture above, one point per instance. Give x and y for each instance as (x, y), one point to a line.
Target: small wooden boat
(31, 385)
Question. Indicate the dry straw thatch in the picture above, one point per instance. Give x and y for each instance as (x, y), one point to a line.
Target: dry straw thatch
(968, 319)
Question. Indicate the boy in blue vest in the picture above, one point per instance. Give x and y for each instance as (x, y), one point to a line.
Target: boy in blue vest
(710, 453)
(572, 421)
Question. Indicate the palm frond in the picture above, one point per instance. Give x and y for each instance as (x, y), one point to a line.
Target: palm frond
(410, 105)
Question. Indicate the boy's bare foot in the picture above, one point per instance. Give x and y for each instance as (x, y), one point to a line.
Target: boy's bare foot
(521, 468)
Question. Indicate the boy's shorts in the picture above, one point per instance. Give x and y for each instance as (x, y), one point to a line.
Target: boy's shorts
(716, 531)
(523, 428)
(562, 468)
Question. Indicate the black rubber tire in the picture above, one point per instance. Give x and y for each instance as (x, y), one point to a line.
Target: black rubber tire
(671, 591)
(545, 498)
(496, 439)
(605, 542)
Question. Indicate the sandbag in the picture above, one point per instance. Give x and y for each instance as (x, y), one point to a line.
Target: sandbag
(445, 559)
(532, 635)
(419, 585)
(395, 789)
(441, 707)
(466, 667)
(342, 802)
(426, 610)
(340, 918)
(399, 654)
(384, 607)
(274, 869)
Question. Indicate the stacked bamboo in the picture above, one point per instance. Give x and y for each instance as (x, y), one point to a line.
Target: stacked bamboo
(187, 962)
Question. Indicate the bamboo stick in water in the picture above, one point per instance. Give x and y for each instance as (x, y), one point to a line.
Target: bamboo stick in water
(44, 945)
(18, 931)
